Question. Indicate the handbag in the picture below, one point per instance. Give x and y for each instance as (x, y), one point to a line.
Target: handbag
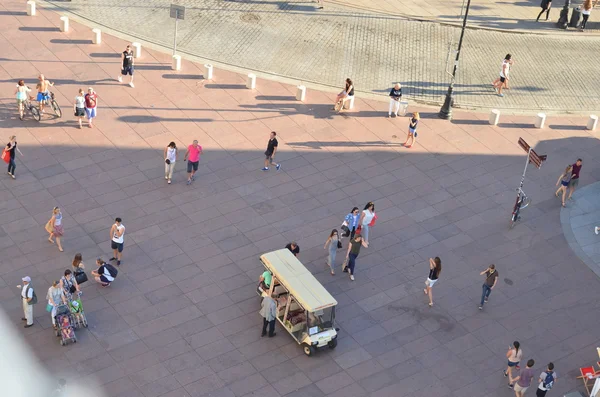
(372, 223)
(6, 156)
(339, 244)
(48, 227)
(167, 161)
(81, 277)
(72, 289)
(49, 307)
(358, 230)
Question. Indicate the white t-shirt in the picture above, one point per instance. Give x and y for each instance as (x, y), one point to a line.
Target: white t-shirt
(116, 238)
(80, 101)
(515, 358)
(171, 154)
(507, 63)
(29, 293)
(368, 217)
(543, 378)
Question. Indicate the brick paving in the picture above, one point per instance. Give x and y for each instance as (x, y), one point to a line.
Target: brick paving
(295, 40)
(182, 317)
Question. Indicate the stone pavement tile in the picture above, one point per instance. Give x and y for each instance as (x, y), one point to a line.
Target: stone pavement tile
(291, 383)
(160, 387)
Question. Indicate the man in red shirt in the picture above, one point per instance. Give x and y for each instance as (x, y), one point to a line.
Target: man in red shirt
(91, 102)
(575, 176)
(193, 151)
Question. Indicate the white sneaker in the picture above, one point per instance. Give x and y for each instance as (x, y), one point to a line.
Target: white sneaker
(166, 177)
(131, 85)
(120, 79)
(597, 230)
(352, 277)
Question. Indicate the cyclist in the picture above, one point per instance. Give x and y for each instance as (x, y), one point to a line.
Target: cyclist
(345, 95)
(22, 92)
(43, 91)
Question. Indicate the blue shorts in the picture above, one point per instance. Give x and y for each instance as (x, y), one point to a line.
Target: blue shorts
(564, 183)
(511, 364)
(90, 113)
(127, 71)
(42, 96)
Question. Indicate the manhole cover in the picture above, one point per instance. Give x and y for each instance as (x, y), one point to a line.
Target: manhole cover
(250, 18)
(508, 281)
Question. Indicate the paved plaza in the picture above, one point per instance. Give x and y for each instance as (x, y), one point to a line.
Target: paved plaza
(298, 41)
(181, 320)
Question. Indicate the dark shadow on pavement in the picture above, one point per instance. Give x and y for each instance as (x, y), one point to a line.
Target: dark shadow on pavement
(152, 67)
(183, 76)
(226, 86)
(324, 144)
(515, 125)
(570, 127)
(145, 119)
(470, 122)
(70, 41)
(275, 98)
(38, 29)
(13, 13)
(105, 55)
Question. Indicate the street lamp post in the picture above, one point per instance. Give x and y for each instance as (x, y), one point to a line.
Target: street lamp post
(446, 110)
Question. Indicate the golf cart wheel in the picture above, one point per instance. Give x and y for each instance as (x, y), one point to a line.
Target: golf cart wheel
(332, 344)
(308, 350)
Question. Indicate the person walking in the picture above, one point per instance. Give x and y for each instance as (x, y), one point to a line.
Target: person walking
(564, 179)
(575, 177)
(127, 65)
(22, 92)
(491, 278)
(412, 130)
(547, 381)
(117, 236)
(170, 160)
(91, 106)
(334, 243)
(268, 310)
(586, 11)
(193, 151)
(395, 96)
(29, 299)
(79, 107)
(105, 274)
(546, 4)
(270, 152)
(513, 355)
(352, 254)
(523, 381)
(367, 219)
(435, 268)
(504, 72)
(351, 222)
(55, 227)
(55, 297)
(12, 149)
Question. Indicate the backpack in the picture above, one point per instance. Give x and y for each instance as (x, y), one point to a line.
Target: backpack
(112, 270)
(33, 298)
(549, 381)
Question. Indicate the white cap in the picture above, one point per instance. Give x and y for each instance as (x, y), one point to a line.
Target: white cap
(27, 279)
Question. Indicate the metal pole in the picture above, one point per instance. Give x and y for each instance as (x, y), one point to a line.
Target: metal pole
(446, 110)
(175, 36)
(525, 170)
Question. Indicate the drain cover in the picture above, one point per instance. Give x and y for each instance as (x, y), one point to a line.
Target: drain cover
(250, 18)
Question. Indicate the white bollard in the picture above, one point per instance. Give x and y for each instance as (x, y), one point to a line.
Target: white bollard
(349, 104)
(64, 24)
(208, 71)
(137, 50)
(592, 122)
(176, 62)
(540, 120)
(251, 82)
(494, 116)
(403, 108)
(97, 36)
(300, 93)
(31, 8)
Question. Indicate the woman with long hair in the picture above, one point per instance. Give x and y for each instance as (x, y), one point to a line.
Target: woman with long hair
(55, 228)
(21, 92)
(513, 355)
(564, 180)
(333, 243)
(170, 159)
(11, 148)
(435, 268)
(412, 130)
(346, 94)
(55, 297)
(366, 218)
(351, 222)
(587, 10)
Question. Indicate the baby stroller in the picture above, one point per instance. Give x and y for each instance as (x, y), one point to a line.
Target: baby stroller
(77, 314)
(65, 329)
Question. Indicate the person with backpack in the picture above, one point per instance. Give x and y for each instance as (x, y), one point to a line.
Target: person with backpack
(547, 381)
(105, 274)
(29, 299)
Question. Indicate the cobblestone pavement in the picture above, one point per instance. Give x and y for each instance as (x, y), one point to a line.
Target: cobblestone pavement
(292, 39)
(181, 320)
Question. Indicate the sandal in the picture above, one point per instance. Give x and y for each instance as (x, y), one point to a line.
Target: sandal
(431, 305)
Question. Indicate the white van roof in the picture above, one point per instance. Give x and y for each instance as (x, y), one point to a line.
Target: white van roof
(298, 280)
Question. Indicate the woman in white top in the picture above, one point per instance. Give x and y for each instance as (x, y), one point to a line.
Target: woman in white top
(514, 355)
(55, 297)
(587, 10)
(170, 159)
(21, 93)
(365, 218)
(79, 106)
(55, 228)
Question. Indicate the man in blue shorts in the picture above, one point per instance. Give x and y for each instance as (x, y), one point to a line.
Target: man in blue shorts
(43, 94)
(127, 66)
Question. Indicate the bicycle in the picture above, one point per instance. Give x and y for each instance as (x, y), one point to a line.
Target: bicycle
(30, 107)
(53, 104)
(521, 202)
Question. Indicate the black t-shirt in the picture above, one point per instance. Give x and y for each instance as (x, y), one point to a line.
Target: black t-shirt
(127, 59)
(272, 145)
(355, 247)
(351, 92)
(12, 150)
(294, 251)
(396, 93)
(433, 273)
